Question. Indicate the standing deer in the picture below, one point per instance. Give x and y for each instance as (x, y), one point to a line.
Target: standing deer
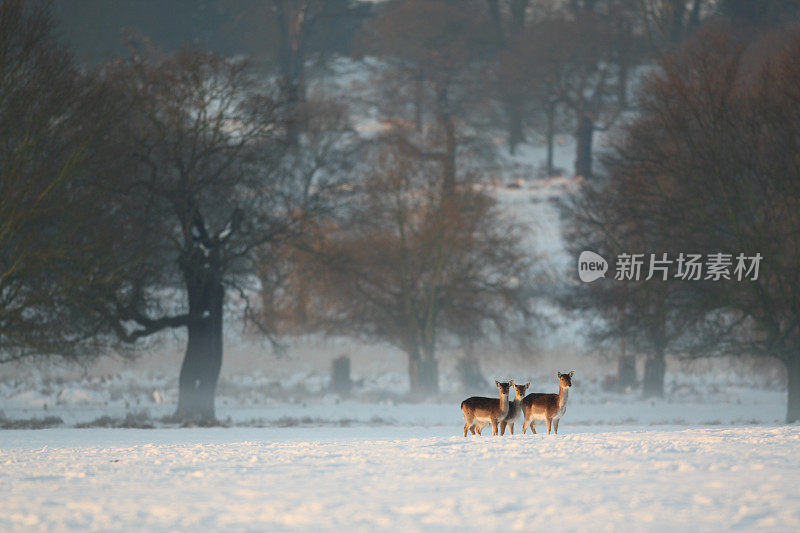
(514, 408)
(547, 407)
(479, 410)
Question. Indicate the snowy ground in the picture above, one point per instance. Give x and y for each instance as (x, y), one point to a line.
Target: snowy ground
(390, 478)
(711, 455)
(134, 398)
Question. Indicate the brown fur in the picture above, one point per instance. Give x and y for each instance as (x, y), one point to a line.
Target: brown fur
(479, 410)
(547, 407)
(514, 408)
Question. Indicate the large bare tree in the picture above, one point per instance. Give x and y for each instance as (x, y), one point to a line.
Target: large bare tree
(210, 184)
(710, 166)
(416, 267)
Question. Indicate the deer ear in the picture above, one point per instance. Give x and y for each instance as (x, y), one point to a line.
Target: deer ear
(558, 374)
(497, 383)
(528, 384)
(571, 373)
(511, 383)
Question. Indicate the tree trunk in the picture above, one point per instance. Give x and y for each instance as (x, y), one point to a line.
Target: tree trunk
(654, 370)
(518, 9)
(513, 104)
(296, 123)
(622, 87)
(497, 22)
(419, 91)
(678, 8)
(445, 119)
(340, 376)
(551, 133)
(469, 373)
(694, 17)
(291, 61)
(516, 135)
(583, 156)
(793, 389)
(197, 383)
(423, 375)
(626, 371)
(450, 157)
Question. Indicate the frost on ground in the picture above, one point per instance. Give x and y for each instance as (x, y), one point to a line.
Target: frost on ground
(248, 479)
(686, 403)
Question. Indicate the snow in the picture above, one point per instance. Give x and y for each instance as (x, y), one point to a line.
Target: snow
(296, 394)
(411, 478)
(711, 455)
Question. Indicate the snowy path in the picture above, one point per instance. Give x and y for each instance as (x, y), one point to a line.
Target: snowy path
(400, 478)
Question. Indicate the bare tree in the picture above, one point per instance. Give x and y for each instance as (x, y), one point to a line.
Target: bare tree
(710, 166)
(747, 17)
(51, 225)
(649, 316)
(530, 71)
(575, 61)
(294, 36)
(433, 48)
(417, 269)
(508, 20)
(593, 72)
(668, 22)
(210, 184)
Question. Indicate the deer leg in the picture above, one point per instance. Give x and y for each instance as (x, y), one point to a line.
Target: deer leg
(479, 428)
(502, 428)
(469, 425)
(511, 426)
(533, 426)
(555, 425)
(549, 421)
(494, 428)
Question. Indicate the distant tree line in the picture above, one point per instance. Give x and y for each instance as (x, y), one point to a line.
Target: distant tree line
(196, 170)
(522, 67)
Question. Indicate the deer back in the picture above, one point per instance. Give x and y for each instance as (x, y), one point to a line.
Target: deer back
(481, 406)
(540, 402)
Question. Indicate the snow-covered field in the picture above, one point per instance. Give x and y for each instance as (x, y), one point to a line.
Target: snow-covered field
(296, 394)
(400, 479)
(711, 455)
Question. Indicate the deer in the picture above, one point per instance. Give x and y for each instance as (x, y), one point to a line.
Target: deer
(479, 410)
(514, 408)
(547, 407)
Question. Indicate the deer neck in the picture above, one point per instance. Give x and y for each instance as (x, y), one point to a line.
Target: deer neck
(563, 396)
(504, 404)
